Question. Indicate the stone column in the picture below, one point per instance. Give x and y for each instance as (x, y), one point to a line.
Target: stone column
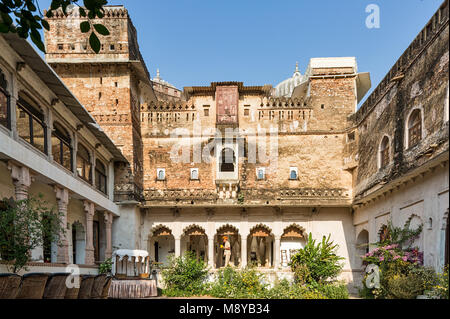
(108, 225)
(21, 179)
(90, 211)
(267, 254)
(277, 255)
(211, 251)
(177, 246)
(62, 197)
(258, 250)
(243, 251)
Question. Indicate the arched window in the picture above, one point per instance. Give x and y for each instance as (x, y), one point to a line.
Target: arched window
(227, 160)
(84, 163)
(194, 173)
(61, 147)
(414, 128)
(31, 124)
(161, 174)
(293, 173)
(4, 102)
(384, 152)
(261, 173)
(100, 176)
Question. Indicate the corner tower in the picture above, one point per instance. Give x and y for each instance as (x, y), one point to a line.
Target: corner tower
(112, 85)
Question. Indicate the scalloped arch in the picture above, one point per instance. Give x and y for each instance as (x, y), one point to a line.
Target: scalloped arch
(159, 228)
(261, 226)
(193, 227)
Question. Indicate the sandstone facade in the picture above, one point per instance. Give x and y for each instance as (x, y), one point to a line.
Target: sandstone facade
(263, 166)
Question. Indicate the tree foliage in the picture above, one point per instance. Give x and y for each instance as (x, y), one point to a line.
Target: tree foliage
(26, 225)
(402, 236)
(319, 260)
(25, 18)
(185, 273)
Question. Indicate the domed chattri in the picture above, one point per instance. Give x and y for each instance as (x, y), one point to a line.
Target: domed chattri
(285, 88)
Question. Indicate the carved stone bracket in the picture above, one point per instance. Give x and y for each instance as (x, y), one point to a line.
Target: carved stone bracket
(21, 178)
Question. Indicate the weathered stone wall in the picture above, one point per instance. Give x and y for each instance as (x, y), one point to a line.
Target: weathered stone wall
(419, 81)
(415, 183)
(311, 135)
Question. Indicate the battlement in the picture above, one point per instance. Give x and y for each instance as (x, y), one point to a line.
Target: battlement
(167, 106)
(428, 34)
(284, 102)
(109, 11)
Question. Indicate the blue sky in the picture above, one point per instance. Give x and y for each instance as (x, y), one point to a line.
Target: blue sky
(195, 42)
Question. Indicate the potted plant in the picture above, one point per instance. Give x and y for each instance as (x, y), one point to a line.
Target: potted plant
(105, 267)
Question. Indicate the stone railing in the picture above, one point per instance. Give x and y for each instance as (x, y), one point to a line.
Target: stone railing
(243, 196)
(127, 192)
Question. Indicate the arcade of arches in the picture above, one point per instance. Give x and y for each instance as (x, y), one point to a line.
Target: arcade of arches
(260, 247)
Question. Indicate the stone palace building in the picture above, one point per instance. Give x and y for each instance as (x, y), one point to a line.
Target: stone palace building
(134, 163)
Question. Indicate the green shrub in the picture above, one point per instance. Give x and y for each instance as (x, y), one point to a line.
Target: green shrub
(404, 287)
(105, 267)
(286, 290)
(302, 274)
(440, 289)
(237, 284)
(318, 262)
(334, 291)
(400, 279)
(185, 275)
(25, 225)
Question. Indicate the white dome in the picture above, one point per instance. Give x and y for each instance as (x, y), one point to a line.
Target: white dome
(285, 88)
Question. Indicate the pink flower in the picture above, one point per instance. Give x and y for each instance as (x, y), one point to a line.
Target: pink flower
(381, 258)
(405, 258)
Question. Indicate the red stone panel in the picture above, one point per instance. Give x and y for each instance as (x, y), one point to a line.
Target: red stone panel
(227, 101)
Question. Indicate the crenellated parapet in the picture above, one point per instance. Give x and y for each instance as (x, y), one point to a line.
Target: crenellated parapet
(284, 102)
(109, 12)
(168, 106)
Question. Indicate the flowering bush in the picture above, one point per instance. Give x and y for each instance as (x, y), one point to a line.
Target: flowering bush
(392, 252)
(401, 271)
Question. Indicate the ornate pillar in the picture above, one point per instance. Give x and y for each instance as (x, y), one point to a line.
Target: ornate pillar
(243, 251)
(277, 254)
(177, 246)
(21, 179)
(62, 197)
(108, 225)
(90, 211)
